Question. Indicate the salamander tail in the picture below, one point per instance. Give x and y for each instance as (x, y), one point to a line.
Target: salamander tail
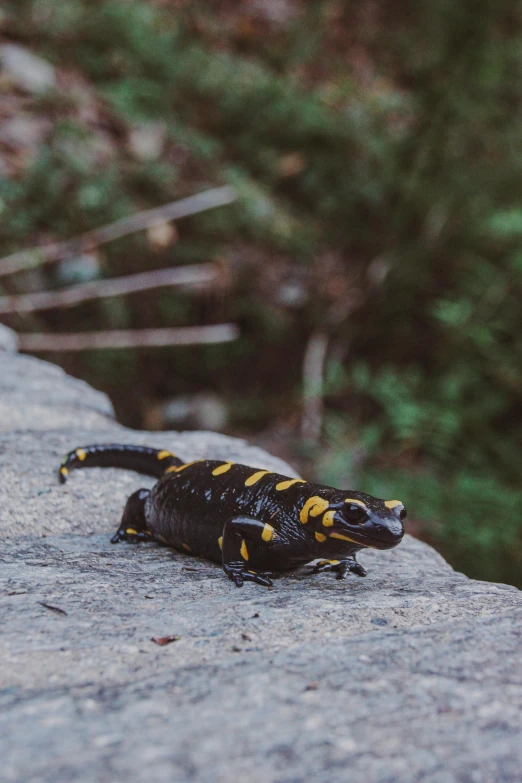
(151, 462)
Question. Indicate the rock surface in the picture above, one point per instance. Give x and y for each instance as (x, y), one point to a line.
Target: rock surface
(412, 674)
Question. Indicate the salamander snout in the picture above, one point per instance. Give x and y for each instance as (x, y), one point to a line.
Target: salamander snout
(385, 532)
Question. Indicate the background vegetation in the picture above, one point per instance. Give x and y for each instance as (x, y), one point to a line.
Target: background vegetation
(377, 150)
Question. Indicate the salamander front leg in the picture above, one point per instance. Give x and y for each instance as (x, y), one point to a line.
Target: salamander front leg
(341, 567)
(238, 534)
(133, 526)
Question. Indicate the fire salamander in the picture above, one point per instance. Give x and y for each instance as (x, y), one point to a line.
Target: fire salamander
(253, 522)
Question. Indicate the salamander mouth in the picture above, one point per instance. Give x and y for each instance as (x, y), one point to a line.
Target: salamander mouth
(373, 542)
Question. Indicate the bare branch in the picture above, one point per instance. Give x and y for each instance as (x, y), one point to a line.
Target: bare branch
(314, 366)
(313, 374)
(196, 275)
(88, 341)
(57, 251)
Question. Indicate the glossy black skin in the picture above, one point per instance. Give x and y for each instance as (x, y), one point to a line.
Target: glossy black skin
(252, 530)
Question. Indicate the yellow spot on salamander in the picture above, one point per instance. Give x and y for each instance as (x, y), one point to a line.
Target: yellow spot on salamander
(164, 454)
(161, 538)
(357, 502)
(182, 467)
(320, 537)
(287, 484)
(244, 550)
(64, 471)
(268, 533)
(220, 542)
(186, 546)
(255, 477)
(328, 518)
(81, 454)
(342, 537)
(328, 562)
(222, 469)
(392, 503)
(131, 532)
(313, 507)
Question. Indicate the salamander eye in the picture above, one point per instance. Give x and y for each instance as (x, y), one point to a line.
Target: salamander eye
(355, 513)
(403, 514)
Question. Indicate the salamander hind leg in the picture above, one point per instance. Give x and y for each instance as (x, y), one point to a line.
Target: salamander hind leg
(133, 527)
(238, 534)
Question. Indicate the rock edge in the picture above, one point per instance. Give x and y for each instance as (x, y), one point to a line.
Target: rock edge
(411, 674)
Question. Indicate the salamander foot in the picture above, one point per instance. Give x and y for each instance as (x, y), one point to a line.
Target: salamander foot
(238, 574)
(341, 567)
(131, 536)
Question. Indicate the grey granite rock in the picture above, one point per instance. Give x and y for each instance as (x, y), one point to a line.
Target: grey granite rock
(412, 674)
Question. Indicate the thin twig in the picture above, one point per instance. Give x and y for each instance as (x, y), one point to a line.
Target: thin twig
(57, 251)
(313, 374)
(195, 275)
(88, 341)
(314, 363)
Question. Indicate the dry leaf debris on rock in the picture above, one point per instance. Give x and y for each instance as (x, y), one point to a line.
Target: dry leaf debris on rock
(164, 640)
(52, 608)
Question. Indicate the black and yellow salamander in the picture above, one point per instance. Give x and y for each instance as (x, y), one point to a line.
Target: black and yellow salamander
(253, 522)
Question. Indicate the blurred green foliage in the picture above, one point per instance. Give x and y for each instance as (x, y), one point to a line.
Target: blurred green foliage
(384, 136)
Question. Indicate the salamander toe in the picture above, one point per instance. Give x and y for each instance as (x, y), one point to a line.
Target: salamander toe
(238, 574)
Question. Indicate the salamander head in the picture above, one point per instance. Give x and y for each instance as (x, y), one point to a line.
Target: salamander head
(364, 520)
